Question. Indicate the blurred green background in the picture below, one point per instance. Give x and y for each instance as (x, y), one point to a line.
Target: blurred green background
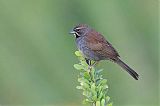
(37, 53)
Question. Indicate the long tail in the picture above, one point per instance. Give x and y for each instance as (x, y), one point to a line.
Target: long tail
(127, 68)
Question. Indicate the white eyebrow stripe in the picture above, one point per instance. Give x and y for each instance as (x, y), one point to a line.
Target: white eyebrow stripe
(79, 27)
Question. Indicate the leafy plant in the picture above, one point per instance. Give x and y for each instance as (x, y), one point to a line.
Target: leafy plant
(91, 82)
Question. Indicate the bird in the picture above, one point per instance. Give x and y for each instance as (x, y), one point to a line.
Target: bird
(94, 47)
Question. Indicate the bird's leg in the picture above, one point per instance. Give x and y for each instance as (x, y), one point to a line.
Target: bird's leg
(88, 61)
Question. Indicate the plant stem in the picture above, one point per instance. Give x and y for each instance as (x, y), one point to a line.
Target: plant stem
(94, 104)
(92, 79)
(91, 82)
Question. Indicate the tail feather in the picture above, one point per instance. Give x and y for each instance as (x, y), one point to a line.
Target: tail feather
(127, 68)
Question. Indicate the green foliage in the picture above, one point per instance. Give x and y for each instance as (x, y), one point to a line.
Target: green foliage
(91, 82)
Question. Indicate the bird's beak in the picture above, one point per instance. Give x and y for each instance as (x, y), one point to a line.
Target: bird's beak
(72, 32)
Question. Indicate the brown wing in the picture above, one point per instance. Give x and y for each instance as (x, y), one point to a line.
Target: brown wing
(99, 45)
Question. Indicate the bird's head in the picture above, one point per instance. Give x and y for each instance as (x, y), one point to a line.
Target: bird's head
(80, 30)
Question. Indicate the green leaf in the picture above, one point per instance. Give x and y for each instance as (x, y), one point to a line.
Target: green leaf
(83, 62)
(78, 66)
(100, 77)
(103, 82)
(103, 102)
(93, 87)
(93, 74)
(83, 80)
(89, 100)
(94, 98)
(86, 75)
(110, 104)
(94, 93)
(86, 101)
(84, 85)
(78, 53)
(100, 95)
(85, 93)
(98, 71)
(105, 87)
(79, 87)
(107, 99)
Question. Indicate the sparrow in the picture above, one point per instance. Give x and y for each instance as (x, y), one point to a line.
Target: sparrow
(94, 46)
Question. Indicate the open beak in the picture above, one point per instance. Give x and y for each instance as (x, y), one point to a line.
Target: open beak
(72, 32)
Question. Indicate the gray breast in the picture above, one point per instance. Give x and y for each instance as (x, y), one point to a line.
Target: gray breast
(87, 53)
